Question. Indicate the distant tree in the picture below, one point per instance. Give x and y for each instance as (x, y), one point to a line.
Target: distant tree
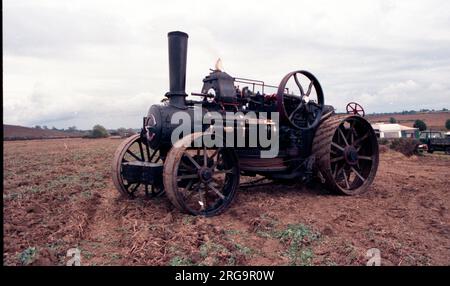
(72, 129)
(38, 127)
(45, 127)
(420, 124)
(99, 131)
(447, 124)
(444, 109)
(121, 131)
(54, 128)
(392, 120)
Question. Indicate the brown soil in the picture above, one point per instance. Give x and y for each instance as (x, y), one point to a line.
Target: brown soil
(58, 194)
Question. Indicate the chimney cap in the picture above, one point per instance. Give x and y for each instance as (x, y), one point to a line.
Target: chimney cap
(177, 33)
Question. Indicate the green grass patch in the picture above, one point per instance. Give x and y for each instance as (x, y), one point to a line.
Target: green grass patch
(298, 238)
(180, 261)
(27, 256)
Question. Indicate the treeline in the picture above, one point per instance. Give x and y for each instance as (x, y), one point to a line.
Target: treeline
(409, 111)
(98, 131)
(68, 129)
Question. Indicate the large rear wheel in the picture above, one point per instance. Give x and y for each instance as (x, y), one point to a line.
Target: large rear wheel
(346, 150)
(200, 180)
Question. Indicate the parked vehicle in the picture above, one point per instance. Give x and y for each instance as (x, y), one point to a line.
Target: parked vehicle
(435, 141)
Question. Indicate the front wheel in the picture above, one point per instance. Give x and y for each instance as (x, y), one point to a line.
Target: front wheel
(200, 180)
(134, 149)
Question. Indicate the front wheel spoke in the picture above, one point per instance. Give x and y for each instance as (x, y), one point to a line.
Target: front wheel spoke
(133, 155)
(337, 146)
(216, 162)
(147, 149)
(153, 155)
(135, 188)
(187, 166)
(141, 152)
(190, 176)
(358, 174)
(216, 191)
(216, 152)
(205, 157)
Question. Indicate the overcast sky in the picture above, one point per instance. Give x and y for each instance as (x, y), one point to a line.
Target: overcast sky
(105, 62)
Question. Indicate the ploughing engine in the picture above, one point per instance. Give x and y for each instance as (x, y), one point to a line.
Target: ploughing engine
(304, 139)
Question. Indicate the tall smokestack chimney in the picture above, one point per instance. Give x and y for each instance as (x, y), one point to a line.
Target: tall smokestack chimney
(177, 68)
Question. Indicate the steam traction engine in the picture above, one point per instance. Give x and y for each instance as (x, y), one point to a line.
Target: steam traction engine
(314, 142)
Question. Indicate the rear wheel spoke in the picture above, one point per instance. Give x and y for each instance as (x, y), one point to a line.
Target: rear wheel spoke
(216, 191)
(337, 146)
(346, 180)
(365, 158)
(343, 136)
(359, 140)
(358, 174)
(229, 171)
(337, 159)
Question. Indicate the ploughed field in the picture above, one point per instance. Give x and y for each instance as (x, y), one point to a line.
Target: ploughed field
(58, 194)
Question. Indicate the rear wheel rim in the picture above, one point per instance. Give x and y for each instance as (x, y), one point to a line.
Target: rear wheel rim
(353, 155)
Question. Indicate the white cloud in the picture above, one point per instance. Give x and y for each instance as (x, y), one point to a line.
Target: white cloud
(87, 62)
